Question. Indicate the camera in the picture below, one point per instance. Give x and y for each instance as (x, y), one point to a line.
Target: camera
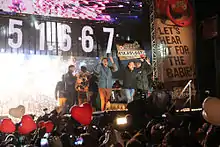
(78, 141)
(44, 142)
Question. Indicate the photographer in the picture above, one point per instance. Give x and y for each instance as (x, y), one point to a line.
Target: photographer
(82, 85)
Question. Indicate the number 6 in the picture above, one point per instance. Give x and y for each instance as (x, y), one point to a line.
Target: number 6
(87, 39)
(13, 30)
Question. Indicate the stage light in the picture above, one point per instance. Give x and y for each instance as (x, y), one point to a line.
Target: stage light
(128, 38)
(121, 121)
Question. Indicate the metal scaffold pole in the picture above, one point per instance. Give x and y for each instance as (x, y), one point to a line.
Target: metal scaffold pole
(153, 40)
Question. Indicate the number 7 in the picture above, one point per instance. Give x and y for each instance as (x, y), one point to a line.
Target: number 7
(110, 38)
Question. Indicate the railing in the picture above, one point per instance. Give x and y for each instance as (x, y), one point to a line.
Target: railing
(188, 85)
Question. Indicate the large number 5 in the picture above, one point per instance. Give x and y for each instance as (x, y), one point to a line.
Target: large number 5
(17, 31)
(87, 39)
(110, 38)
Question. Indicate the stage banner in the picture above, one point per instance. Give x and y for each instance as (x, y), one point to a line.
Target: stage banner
(129, 51)
(175, 43)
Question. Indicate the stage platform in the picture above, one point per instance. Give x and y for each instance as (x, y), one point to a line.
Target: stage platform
(116, 106)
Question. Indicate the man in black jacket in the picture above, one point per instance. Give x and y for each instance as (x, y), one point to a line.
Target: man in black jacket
(144, 69)
(129, 81)
(60, 94)
(70, 81)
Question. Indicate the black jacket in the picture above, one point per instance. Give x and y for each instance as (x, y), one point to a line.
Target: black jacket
(142, 77)
(60, 90)
(70, 82)
(129, 79)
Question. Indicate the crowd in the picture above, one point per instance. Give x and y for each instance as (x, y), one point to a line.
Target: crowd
(150, 120)
(149, 123)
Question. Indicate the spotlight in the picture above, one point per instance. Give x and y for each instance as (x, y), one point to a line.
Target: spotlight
(121, 121)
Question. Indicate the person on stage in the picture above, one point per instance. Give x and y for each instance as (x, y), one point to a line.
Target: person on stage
(144, 69)
(93, 91)
(70, 81)
(129, 81)
(82, 85)
(104, 72)
(60, 94)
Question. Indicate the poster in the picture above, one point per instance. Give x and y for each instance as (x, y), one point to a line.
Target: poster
(129, 51)
(174, 24)
(177, 46)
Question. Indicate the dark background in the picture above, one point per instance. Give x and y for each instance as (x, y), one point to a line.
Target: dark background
(207, 54)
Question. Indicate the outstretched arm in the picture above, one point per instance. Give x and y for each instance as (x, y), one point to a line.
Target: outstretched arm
(147, 66)
(114, 67)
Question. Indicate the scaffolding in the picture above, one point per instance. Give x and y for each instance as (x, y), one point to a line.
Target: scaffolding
(153, 39)
(158, 51)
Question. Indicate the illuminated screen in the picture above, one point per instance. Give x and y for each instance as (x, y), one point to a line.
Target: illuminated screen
(30, 80)
(78, 9)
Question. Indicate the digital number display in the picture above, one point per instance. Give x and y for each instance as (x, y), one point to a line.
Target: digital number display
(50, 36)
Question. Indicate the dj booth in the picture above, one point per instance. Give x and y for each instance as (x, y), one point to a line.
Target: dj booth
(118, 96)
(118, 100)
